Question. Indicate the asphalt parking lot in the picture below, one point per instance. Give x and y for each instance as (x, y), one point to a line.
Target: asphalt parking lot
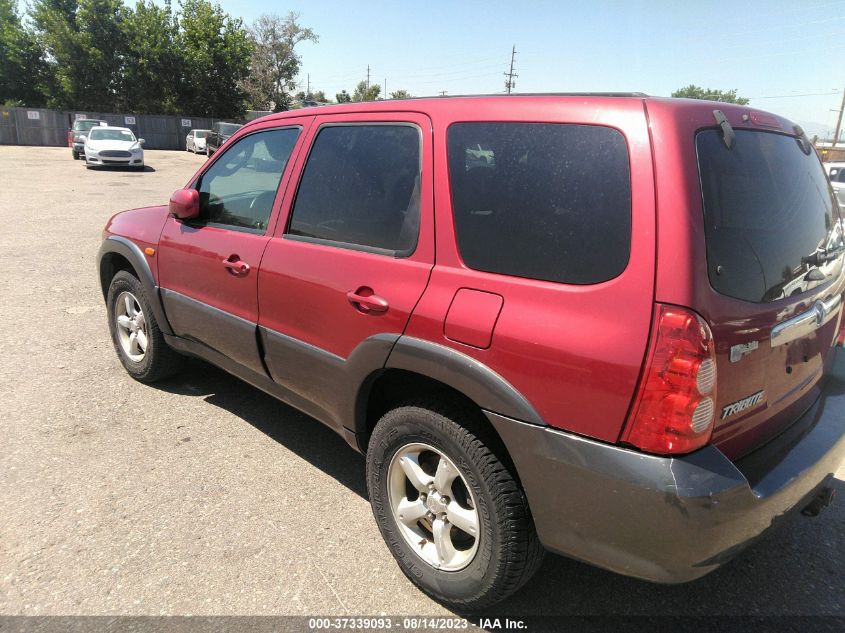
(204, 496)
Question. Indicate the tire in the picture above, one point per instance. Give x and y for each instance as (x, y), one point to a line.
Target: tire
(158, 361)
(207, 151)
(75, 154)
(507, 551)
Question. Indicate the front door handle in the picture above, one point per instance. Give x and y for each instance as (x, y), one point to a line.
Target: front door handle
(236, 266)
(366, 301)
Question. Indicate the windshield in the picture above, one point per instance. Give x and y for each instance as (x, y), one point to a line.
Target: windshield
(227, 129)
(769, 216)
(84, 126)
(200, 133)
(105, 134)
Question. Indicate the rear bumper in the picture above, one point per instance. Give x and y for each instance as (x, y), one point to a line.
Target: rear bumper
(665, 519)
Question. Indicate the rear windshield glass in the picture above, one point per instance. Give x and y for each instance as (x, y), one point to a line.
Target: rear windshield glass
(769, 216)
(228, 128)
(544, 201)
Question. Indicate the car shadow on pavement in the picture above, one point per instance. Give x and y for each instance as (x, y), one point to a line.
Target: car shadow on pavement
(296, 431)
(796, 569)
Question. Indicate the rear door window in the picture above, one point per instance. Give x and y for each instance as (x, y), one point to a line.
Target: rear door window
(769, 216)
(541, 200)
(361, 189)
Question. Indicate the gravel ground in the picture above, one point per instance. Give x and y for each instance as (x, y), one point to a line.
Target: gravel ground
(205, 496)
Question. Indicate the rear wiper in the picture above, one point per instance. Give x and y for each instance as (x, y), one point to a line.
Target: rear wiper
(823, 256)
(728, 135)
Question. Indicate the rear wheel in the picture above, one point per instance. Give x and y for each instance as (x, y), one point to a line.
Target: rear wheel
(137, 339)
(75, 154)
(451, 513)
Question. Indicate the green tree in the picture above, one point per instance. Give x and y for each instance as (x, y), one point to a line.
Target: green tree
(319, 96)
(697, 92)
(400, 94)
(215, 50)
(364, 93)
(343, 97)
(22, 66)
(151, 60)
(275, 64)
(86, 45)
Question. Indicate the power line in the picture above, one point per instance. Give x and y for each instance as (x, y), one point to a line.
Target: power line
(509, 82)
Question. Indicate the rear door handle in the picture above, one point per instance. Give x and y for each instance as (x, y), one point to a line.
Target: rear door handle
(367, 302)
(236, 266)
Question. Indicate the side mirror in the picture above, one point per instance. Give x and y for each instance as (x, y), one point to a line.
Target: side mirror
(185, 204)
(141, 141)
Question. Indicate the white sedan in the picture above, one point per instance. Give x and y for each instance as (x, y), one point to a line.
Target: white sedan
(195, 141)
(113, 146)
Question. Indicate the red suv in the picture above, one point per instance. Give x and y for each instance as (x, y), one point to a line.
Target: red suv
(600, 325)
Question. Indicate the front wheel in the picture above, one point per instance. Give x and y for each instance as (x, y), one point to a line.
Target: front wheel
(451, 512)
(135, 333)
(75, 154)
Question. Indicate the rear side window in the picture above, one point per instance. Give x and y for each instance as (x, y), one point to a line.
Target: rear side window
(361, 189)
(544, 201)
(769, 216)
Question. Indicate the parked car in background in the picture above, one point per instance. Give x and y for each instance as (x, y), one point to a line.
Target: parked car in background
(218, 135)
(836, 173)
(112, 147)
(600, 325)
(195, 141)
(77, 134)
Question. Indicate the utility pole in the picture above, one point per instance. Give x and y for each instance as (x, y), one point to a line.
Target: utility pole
(368, 76)
(509, 82)
(839, 121)
(385, 87)
(308, 91)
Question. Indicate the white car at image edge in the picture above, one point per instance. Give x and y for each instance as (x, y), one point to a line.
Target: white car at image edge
(836, 172)
(195, 141)
(113, 146)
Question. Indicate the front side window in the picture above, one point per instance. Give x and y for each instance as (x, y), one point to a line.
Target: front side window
(361, 189)
(239, 188)
(544, 201)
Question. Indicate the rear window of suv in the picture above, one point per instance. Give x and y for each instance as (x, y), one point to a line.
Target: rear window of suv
(544, 201)
(769, 216)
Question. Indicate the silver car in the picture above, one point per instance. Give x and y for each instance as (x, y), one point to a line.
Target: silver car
(836, 173)
(195, 141)
(113, 146)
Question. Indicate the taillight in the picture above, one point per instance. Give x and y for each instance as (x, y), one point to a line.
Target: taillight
(675, 404)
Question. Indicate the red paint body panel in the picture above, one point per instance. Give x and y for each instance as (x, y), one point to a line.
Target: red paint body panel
(682, 279)
(472, 317)
(568, 349)
(143, 226)
(303, 286)
(574, 352)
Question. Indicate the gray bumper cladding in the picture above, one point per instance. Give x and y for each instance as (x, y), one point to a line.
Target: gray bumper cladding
(666, 519)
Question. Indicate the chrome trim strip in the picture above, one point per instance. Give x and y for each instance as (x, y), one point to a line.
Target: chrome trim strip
(807, 322)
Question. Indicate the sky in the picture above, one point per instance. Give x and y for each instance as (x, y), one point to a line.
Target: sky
(785, 56)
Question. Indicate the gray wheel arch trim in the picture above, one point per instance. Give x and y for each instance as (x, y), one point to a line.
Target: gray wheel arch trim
(475, 380)
(132, 253)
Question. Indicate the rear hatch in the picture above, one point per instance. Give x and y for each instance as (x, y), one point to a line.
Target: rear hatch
(774, 248)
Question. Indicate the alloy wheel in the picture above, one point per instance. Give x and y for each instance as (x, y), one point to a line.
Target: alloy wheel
(131, 326)
(433, 507)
